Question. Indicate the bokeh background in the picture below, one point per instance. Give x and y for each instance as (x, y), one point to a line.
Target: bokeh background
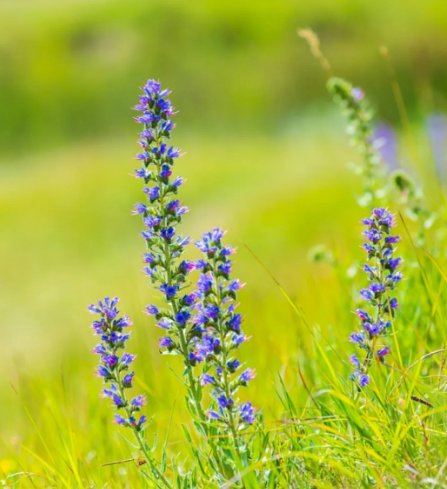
(266, 158)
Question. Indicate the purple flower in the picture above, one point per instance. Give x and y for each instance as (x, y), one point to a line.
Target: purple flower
(139, 209)
(246, 412)
(208, 346)
(394, 263)
(128, 379)
(138, 401)
(152, 88)
(247, 375)
(357, 94)
(354, 360)
(187, 266)
(213, 415)
(100, 349)
(211, 311)
(383, 279)
(182, 317)
(367, 294)
(190, 299)
(145, 119)
(235, 285)
(205, 283)
(165, 171)
(167, 234)
(224, 402)
(394, 304)
(169, 290)
(235, 322)
(383, 351)
(233, 365)
(207, 379)
(173, 153)
(376, 288)
(151, 310)
(109, 360)
(149, 258)
(368, 269)
(178, 182)
(152, 192)
(127, 358)
(118, 401)
(363, 380)
(225, 267)
(373, 235)
(362, 315)
(142, 420)
(164, 323)
(142, 173)
(165, 342)
(195, 357)
(392, 239)
(357, 337)
(380, 212)
(119, 419)
(152, 221)
(122, 322)
(369, 248)
(372, 328)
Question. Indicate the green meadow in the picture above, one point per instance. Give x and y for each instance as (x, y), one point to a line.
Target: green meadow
(267, 158)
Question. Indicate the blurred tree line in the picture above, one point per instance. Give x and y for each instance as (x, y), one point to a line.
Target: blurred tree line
(69, 70)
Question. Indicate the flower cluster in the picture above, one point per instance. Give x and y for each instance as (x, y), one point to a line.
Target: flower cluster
(114, 367)
(219, 329)
(161, 213)
(383, 277)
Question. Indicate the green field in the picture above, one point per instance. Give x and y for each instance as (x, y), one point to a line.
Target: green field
(266, 159)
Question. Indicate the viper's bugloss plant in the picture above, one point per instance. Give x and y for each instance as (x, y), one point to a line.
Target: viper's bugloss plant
(161, 213)
(358, 113)
(114, 369)
(382, 183)
(383, 277)
(220, 336)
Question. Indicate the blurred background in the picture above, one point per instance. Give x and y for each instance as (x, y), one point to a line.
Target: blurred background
(266, 158)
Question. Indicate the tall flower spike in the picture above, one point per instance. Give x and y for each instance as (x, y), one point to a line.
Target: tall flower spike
(383, 277)
(161, 214)
(114, 369)
(359, 116)
(221, 336)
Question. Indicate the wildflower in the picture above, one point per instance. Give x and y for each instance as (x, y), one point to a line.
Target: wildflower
(166, 342)
(108, 350)
(162, 213)
(356, 108)
(207, 379)
(216, 312)
(247, 412)
(383, 351)
(247, 375)
(383, 279)
(363, 380)
(112, 369)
